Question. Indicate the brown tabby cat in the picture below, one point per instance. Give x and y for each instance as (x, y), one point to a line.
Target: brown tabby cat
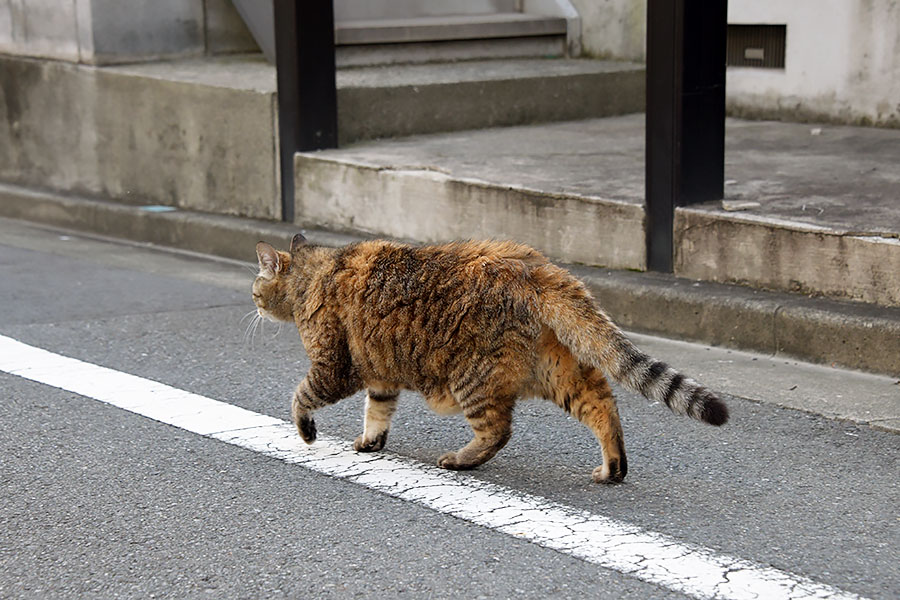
(473, 326)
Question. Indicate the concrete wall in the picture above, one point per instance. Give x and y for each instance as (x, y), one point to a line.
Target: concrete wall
(131, 135)
(842, 62)
(842, 57)
(118, 31)
(613, 28)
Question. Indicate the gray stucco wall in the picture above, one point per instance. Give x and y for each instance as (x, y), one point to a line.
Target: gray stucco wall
(118, 31)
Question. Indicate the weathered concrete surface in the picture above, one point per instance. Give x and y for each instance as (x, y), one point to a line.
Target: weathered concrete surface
(831, 332)
(45, 28)
(840, 333)
(842, 178)
(428, 205)
(225, 30)
(819, 204)
(404, 100)
(123, 133)
(853, 77)
(598, 157)
(822, 216)
(714, 245)
(566, 188)
(201, 133)
(221, 235)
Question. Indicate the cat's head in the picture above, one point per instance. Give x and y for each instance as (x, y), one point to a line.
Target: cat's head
(271, 288)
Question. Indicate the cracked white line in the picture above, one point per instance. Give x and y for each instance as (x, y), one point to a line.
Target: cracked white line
(646, 555)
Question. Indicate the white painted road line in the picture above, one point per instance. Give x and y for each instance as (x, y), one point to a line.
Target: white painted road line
(611, 544)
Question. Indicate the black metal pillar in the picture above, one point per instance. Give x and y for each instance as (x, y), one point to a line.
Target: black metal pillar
(685, 122)
(307, 93)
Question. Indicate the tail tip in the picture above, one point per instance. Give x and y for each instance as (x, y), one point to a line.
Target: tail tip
(715, 412)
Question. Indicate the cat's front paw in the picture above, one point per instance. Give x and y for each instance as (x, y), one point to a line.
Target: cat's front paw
(306, 426)
(361, 444)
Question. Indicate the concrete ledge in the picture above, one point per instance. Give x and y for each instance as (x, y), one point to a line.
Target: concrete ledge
(446, 27)
(129, 134)
(448, 51)
(220, 235)
(835, 333)
(404, 100)
(431, 206)
(764, 252)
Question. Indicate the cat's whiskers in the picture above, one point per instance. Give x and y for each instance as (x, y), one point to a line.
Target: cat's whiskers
(253, 326)
(249, 314)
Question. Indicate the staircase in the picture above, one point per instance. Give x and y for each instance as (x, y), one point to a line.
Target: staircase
(369, 32)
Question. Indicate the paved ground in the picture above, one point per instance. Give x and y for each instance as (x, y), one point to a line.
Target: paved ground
(98, 502)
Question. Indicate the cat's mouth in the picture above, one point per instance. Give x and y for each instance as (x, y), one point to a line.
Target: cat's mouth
(263, 314)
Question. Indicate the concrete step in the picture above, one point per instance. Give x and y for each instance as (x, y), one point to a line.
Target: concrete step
(411, 32)
(548, 186)
(575, 190)
(202, 133)
(401, 100)
(449, 38)
(446, 27)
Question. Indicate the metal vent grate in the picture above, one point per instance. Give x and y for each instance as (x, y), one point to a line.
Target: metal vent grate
(756, 46)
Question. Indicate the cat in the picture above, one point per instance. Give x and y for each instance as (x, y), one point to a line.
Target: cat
(473, 326)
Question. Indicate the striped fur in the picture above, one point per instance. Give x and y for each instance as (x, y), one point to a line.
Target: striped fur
(590, 334)
(472, 326)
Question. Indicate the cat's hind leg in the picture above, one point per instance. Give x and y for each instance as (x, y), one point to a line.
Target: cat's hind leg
(585, 394)
(380, 407)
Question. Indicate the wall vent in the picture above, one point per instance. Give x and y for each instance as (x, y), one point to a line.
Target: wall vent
(756, 46)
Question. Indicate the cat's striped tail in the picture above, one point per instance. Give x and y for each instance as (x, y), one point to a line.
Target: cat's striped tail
(568, 308)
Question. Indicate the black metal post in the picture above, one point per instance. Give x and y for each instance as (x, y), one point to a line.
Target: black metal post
(685, 120)
(307, 92)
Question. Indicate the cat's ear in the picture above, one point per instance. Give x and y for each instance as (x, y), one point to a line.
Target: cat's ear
(297, 241)
(269, 261)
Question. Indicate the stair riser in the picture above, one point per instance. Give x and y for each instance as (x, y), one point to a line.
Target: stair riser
(425, 52)
(428, 206)
(771, 254)
(366, 113)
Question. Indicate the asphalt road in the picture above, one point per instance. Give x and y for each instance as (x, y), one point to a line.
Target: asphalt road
(98, 502)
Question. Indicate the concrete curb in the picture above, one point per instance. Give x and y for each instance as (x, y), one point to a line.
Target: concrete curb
(856, 336)
(772, 253)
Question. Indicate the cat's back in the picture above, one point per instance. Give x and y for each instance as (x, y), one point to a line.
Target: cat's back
(382, 269)
(432, 287)
(417, 313)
